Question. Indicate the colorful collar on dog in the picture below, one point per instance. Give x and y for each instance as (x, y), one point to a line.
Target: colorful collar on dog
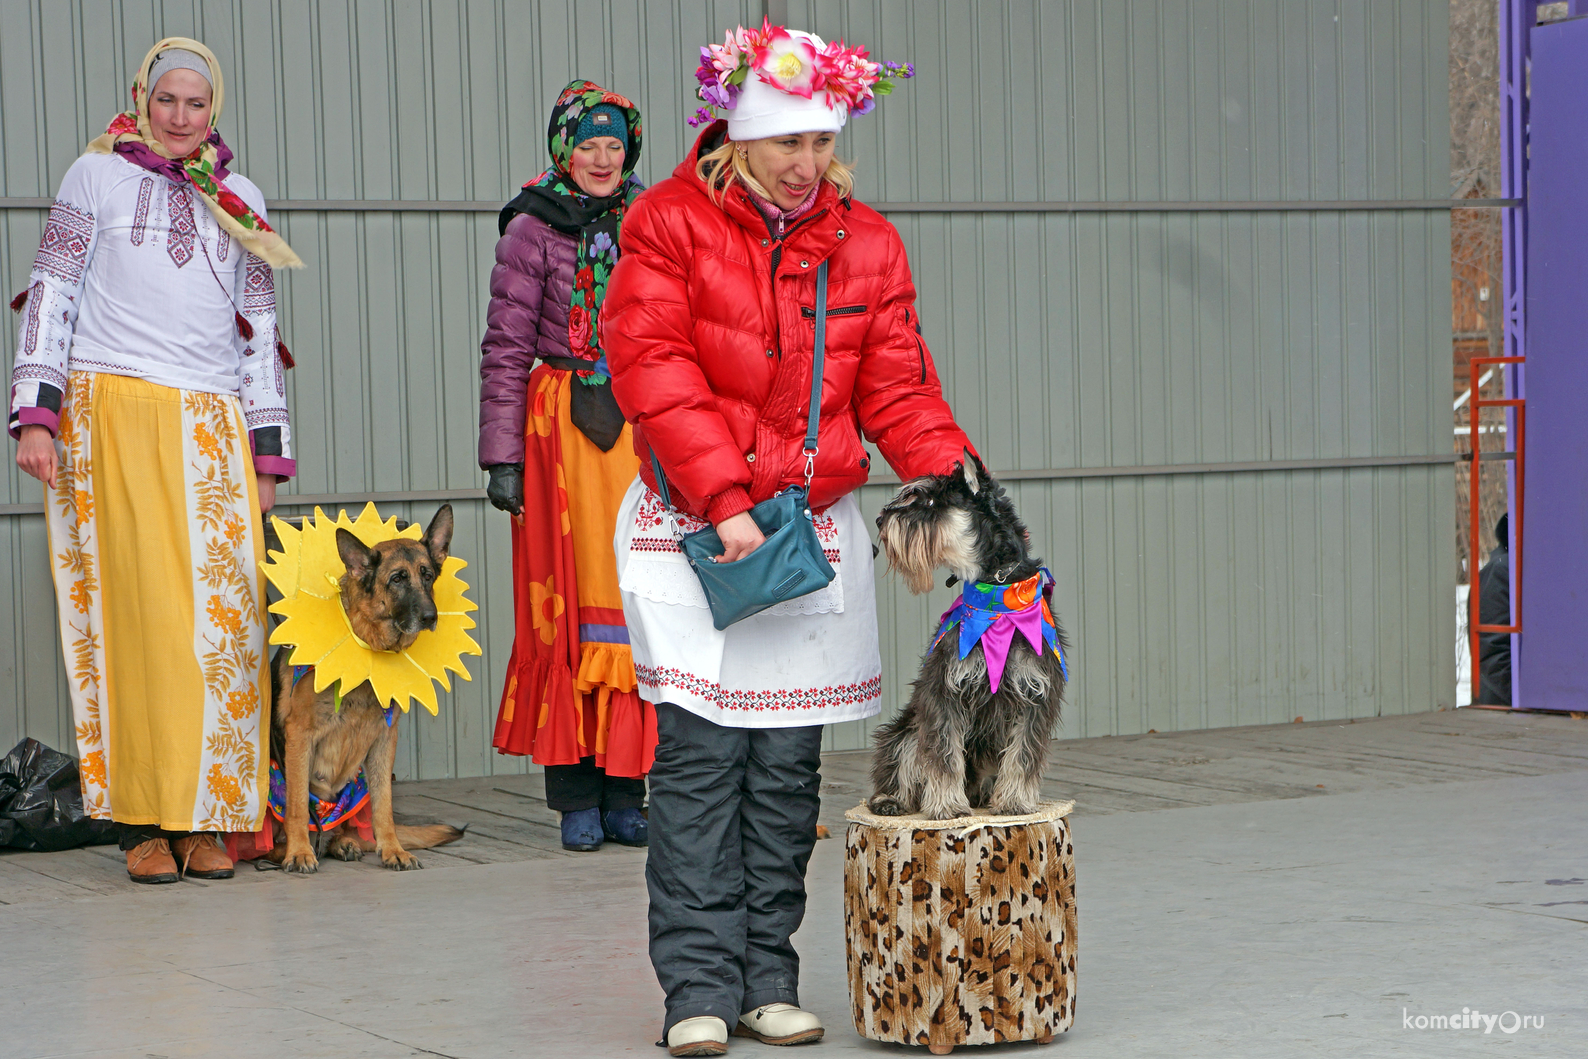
(992, 614)
(323, 815)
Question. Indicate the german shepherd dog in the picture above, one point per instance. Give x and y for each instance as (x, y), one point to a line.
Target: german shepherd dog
(388, 596)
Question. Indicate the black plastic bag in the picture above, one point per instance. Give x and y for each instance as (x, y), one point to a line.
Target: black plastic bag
(41, 802)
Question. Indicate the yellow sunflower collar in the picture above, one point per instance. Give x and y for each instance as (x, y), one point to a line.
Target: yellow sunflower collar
(307, 572)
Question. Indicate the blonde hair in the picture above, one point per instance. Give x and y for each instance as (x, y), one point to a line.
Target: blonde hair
(724, 167)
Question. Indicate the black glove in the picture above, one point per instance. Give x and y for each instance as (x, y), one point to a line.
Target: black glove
(506, 490)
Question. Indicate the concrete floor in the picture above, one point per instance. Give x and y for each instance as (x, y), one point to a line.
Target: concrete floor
(1297, 890)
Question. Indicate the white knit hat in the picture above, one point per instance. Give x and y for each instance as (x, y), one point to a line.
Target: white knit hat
(764, 110)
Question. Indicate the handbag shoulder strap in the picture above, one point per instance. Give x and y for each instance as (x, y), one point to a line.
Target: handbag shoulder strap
(818, 357)
(814, 418)
(661, 481)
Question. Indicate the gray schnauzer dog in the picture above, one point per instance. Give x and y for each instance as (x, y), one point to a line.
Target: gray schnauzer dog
(967, 738)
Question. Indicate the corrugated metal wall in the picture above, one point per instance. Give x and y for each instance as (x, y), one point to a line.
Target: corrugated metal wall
(1094, 339)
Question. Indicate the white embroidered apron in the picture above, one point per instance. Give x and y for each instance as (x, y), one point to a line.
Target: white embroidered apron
(811, 660)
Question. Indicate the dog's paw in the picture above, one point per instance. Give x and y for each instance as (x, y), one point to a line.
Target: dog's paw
(344, 848)
(946, 810)
(399, 860)
(303, 862)
(887, 805)
(1011, 807)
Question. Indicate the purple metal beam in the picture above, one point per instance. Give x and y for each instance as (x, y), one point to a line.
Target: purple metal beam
(1517, 18)
(1553, 560)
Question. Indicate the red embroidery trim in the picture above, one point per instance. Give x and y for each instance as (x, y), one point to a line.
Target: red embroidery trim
(760, 701)
(140, 216)
(183, 232)
(63, 252)
(259, 287)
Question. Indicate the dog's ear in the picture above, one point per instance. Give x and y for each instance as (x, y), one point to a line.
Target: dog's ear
(973, 471)
(439, 536)
(356, 555)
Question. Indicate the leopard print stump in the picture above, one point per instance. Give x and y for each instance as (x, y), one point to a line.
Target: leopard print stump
(960, 931)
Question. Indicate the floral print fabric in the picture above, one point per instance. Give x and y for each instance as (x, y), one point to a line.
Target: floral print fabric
(170, 695)
(228, 611)
(74, 554)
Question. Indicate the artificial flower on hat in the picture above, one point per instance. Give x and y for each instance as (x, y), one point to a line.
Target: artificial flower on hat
(788, 63)
(774, 80)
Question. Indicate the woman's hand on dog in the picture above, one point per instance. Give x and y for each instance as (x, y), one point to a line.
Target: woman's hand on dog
(740, 536)
(36, 453)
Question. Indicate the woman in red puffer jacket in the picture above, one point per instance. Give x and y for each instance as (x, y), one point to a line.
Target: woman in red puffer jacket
(711, 355)
(709, 327)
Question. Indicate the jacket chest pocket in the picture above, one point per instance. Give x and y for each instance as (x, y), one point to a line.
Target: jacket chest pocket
(846, 328)
(847, 310)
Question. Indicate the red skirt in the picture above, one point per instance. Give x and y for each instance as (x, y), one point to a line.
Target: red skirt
(571, 691)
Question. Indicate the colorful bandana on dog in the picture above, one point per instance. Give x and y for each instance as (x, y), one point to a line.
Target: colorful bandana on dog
(324, 815)
(992, 614)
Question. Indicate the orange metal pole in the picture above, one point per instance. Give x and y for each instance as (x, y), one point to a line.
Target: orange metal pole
(1477, 402)
(1473, 538)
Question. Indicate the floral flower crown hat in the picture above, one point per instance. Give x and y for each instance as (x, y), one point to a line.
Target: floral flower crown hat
(774, 81)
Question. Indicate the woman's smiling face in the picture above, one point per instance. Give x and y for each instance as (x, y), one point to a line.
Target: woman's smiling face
(179, 111)
(789, 166)
(597, 165)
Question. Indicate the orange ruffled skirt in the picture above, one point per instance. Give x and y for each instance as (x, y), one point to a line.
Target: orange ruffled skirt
(571, 691)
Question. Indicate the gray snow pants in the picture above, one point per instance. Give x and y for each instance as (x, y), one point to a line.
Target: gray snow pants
(733, 823)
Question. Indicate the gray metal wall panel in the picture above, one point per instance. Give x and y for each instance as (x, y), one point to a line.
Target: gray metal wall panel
(1063, 340)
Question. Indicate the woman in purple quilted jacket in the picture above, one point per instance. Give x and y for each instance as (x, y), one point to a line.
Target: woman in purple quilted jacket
(560, 459)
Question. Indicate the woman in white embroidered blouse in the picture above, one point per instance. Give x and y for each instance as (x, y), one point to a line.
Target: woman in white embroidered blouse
(148, 396)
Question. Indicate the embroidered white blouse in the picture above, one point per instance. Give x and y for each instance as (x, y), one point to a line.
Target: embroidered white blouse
(135, 277)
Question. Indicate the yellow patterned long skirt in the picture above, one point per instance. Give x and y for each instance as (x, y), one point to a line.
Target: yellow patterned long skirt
(155, 546)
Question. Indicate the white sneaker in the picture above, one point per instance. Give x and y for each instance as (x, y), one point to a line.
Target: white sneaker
(779, 1024)
(701, 1035)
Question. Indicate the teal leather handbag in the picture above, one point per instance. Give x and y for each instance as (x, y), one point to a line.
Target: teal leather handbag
(790, 563)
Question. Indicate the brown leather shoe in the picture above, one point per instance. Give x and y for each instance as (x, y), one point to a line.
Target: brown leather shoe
(150, 862)
(202, 857)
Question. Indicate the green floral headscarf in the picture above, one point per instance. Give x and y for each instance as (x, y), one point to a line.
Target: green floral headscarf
(556, 199)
